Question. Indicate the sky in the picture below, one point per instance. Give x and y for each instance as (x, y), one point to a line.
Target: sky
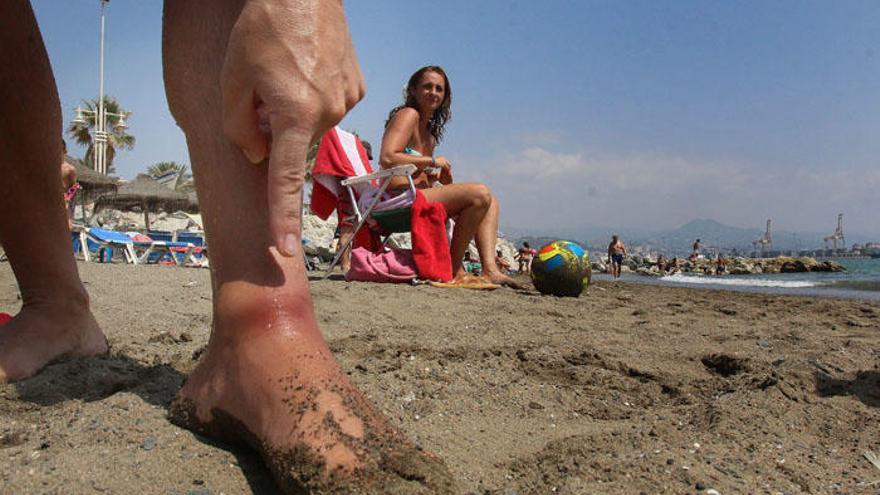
(636, 114)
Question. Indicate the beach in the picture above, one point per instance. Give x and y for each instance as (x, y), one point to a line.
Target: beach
(631, 388)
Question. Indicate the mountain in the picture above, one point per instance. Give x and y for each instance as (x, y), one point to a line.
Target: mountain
(710, 232)
(677, 242)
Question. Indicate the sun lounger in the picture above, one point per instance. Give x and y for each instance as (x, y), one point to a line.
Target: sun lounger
(100, 244)
(151, 250)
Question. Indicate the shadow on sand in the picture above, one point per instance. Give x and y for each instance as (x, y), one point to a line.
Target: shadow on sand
(97, 378)
(865, 386)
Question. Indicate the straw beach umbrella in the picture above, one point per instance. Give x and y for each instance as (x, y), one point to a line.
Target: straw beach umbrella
(92, 181)
(92, 184)
(144, 193)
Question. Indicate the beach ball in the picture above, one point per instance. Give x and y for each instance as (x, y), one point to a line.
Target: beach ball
(561, 268)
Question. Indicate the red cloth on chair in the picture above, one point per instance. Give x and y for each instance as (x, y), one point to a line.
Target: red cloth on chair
(340, 155)
(430, 245)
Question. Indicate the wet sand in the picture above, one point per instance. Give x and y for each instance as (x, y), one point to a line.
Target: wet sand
(630, 388)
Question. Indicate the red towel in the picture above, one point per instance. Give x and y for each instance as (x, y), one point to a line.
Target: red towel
(5, 317)
(429, 242)
(340, 155)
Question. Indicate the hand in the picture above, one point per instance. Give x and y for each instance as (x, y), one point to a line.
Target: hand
(442, 163)
(445, 175)
(290, 74)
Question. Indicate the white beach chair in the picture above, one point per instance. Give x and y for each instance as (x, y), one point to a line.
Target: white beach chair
(342, 172)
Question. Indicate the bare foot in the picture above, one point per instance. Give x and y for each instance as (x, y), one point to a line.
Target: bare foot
(45, 332)
(496, 277)
(274, 385)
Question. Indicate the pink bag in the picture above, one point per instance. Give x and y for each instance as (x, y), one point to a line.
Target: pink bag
(392, 265)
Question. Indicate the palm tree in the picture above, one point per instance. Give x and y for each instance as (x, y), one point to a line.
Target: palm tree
(117, 138)
(183, 183)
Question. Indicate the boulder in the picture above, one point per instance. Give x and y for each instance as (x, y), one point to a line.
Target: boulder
(829, 266)
(793, 266)
(648, 272)
(809, 263)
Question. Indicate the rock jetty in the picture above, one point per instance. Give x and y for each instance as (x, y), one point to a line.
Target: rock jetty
(648, 265)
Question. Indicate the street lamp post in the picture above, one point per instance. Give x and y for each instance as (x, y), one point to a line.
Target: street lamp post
(100, 134)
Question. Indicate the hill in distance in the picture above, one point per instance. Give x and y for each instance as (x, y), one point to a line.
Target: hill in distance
(678, 241)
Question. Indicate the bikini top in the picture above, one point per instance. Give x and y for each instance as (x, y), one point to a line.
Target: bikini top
(412, 152)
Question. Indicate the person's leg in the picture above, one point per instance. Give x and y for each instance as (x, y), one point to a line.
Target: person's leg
(345, 260)
(468, 203)
(346, 230)
(267, 377)
(486, 239)
(55, 319)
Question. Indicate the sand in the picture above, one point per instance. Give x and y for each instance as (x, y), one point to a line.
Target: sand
(627, 389)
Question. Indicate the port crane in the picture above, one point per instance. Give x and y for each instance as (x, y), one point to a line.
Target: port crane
(837, 235)
(765, 242)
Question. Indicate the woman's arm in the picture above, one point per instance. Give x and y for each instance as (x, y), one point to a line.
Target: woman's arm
(397, 136)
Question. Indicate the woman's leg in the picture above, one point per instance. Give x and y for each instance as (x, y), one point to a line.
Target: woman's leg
(476, 211)
(486, 240)
(469, 203)
(267, 376)
(55, 319)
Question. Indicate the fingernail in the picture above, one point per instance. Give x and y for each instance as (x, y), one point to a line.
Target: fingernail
(288, 246)
(251, 156)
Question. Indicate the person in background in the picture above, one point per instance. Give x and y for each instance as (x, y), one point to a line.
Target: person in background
(69, 183)
(661, 263)
(720, 265)
(412, 132)
(616, 254)
(502, 263)
(696, 250)
(524, 258)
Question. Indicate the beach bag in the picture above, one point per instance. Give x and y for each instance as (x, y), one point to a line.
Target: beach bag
(391, 265)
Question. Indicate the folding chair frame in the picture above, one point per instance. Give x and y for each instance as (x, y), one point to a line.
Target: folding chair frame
(384, 177)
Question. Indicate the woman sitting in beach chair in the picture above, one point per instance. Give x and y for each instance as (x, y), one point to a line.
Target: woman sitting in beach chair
(412, 131)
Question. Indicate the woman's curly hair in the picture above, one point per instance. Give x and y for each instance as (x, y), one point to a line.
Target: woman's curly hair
(443, 113)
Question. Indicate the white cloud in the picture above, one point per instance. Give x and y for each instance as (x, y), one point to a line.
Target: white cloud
(540, 188)
(546, 137)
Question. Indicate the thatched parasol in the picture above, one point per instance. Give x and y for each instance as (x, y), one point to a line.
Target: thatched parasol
(92, 184)
(144, 193)
(91, 180)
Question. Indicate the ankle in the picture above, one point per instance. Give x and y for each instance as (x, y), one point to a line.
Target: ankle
(244, 310)
(72, 301)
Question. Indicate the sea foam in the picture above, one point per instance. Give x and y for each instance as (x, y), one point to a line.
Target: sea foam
(742, 282)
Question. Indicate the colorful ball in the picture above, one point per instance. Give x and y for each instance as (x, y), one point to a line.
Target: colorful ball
(561, 268)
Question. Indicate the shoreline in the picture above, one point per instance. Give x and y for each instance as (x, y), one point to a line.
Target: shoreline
(835, 290)
(631, 387)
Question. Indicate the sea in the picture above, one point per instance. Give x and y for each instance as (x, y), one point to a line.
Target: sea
(861, 280)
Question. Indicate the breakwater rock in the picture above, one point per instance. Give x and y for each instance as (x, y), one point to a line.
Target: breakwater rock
(654, 267)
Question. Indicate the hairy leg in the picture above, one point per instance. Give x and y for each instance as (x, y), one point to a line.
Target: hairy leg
(268, 378)
(469, 203)
(55, 319)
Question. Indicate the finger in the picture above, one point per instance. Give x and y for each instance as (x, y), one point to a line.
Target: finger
(286, 177)
(241, 122)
